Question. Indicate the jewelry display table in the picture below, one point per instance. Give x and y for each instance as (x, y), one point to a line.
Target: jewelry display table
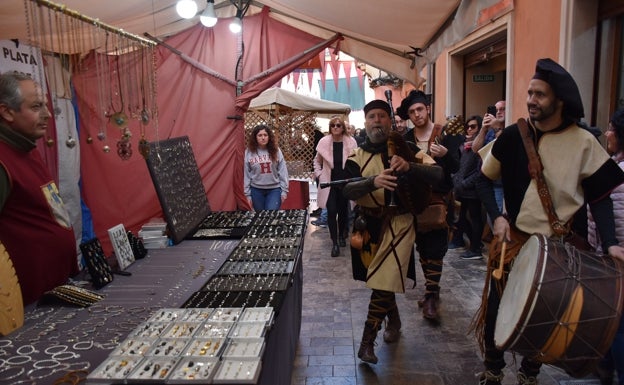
(61, 345)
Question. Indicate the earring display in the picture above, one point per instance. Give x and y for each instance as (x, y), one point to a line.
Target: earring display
(248, 330)
(150, 329)
(238, 370)
(256, 267)
(154, 368)
(178, 184)
(138, 248)
(115, 368)
(247, 283)
(194, 369)
(211, 299)
(134, 347)
(244, 347)
(205, 347)
(197, 315)
(214, 329)
(167, 315)
(168, 347)
(228, 219)
(121, 245)
(99, 269)
(180, 330)
(272, 253)
(180, 352)
(258, 314)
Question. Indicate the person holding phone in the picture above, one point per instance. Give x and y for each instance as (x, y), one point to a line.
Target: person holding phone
(493, 124)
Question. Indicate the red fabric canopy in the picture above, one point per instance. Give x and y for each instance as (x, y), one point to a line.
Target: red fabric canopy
(193, 102)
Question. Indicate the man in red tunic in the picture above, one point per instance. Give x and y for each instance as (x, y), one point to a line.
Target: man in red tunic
(34, 224)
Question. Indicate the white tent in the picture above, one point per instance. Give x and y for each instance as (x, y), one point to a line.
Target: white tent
(280, 98)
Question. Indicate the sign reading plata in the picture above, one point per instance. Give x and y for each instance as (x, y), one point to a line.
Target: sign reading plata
(484, 78)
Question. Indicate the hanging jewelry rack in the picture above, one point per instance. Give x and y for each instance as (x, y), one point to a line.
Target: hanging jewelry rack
(117, 54)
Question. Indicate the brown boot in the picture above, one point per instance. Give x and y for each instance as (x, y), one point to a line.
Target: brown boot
(393, 326)
(430, 309)
(421, 301)
(367, 346)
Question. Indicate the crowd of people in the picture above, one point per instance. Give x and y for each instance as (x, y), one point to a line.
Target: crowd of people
(487, 172)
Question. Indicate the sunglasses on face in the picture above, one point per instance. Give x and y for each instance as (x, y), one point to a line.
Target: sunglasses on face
(473, 126)
(332, 125)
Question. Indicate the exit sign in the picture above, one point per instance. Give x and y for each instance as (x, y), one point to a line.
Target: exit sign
(482, 78)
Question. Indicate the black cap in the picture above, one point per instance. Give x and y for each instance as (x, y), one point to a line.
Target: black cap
(563, 86)
(415, 96)
(377, 103)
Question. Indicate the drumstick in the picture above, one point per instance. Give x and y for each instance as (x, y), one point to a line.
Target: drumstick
(498, 273)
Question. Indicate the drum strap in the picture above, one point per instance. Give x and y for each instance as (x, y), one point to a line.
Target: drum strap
(535, 169)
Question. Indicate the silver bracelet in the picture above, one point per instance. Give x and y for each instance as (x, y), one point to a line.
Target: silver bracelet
(46, 364)
(18, 360)
(21, 349)
(20, 371)
(55, 349)
(62, 356)
(83, 345)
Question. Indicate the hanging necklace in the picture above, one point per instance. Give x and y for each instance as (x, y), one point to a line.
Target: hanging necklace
(64, 30)
(119, 118)
(143, 144)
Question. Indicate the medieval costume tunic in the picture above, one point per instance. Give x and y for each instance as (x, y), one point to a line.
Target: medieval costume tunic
(384, 258)
(576, 168)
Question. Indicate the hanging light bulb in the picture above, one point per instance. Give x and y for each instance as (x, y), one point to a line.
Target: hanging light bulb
(208, 18)
(236, 25)
(186, 8)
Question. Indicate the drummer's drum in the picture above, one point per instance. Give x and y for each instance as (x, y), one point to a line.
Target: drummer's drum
(561, 306)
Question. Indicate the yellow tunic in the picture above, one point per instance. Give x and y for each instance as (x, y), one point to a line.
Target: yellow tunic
(388, 268)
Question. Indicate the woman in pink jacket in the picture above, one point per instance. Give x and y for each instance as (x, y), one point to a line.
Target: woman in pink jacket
(331, 154)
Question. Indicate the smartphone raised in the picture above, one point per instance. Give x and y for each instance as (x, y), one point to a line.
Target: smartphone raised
(491, 110)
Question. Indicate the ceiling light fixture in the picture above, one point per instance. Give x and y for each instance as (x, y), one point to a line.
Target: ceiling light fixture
(236, 25)
(186, 8)
(208, 18)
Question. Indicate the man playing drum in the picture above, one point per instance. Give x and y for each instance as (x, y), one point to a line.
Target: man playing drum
(576, 169)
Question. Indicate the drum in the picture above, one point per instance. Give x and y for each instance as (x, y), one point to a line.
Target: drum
(561, 306)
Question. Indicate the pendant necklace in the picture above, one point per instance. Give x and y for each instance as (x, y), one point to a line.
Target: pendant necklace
(143, 144)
